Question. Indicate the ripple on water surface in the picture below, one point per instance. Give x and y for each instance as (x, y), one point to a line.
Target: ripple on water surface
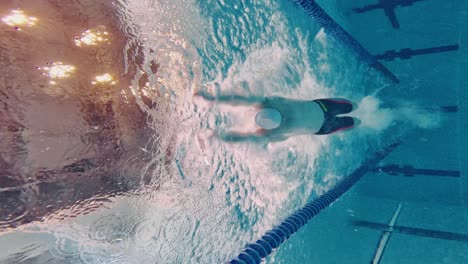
(110, 159)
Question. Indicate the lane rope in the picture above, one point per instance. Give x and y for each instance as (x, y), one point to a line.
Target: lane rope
(254, 253)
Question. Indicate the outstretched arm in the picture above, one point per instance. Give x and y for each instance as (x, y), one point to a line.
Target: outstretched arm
(232, 99)
(237, 137)
(277, 138)
(254, 137)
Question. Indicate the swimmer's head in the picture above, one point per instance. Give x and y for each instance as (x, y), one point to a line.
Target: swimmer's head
(268, 118)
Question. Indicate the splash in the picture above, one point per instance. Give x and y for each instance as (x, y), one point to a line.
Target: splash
(261, 72)
(378, 118)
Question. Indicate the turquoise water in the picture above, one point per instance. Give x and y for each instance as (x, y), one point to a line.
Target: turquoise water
(206, 198)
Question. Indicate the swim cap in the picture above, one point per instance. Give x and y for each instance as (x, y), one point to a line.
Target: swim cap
(268, 118)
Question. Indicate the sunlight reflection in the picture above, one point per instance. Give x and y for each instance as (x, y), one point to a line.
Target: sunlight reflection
(57, 70)
(124, 94)
(104, 79)
(91, 38)
(18, 18)
(148, 90)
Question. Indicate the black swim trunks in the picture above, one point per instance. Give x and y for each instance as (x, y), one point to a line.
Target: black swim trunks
(333, 123)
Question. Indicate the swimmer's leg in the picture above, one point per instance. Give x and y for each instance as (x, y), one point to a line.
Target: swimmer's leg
(336, 106)
(335, 124)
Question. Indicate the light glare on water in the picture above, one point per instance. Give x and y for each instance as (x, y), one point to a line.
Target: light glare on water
(19, 18)
(57, 70)
(134, 172)
(91, 38)
(105, 78)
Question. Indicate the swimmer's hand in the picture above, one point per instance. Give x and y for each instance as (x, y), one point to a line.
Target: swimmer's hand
(238, 137)
(205, 95)
(272, 137)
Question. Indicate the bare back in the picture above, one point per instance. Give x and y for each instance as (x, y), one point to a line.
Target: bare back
(299, 116)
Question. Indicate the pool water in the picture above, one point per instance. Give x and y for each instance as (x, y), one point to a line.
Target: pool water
(158, 186)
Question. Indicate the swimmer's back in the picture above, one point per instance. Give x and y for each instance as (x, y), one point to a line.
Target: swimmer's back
(297, 115)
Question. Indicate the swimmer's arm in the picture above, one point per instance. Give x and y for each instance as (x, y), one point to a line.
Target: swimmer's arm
(277, 138)
(259, 135)
(236, 137)
(240, 100)
(232, 98)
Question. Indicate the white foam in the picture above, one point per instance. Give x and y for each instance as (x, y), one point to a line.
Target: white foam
(378, 118)
(321, 37)
(269, 168)
(263, 180)
(322, 60)
(259, 73)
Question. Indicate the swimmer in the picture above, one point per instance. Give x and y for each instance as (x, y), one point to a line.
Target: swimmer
(278, 118)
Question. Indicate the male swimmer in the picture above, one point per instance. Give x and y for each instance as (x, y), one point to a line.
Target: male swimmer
(279, 118)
